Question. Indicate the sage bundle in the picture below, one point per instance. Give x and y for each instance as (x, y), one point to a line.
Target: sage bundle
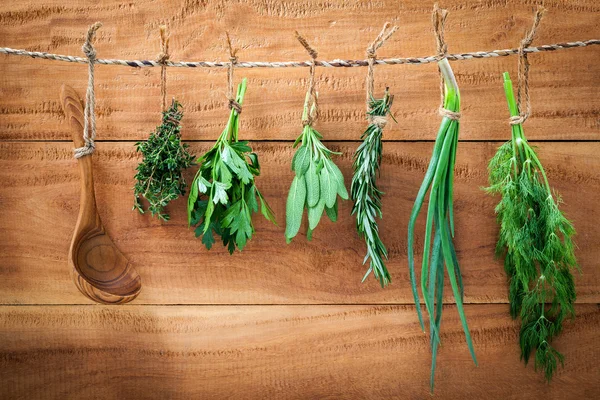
(159, 177)
(438, 247)
(224, 195)
(317, 181)
(536, 243)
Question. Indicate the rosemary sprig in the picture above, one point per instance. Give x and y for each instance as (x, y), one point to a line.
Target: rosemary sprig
(440, 225)
(536, 243)
(226, 178)
(317, 183)
(366, 195)
(159, 176)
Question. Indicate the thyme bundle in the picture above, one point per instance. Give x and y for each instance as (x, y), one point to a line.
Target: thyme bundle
(364, 191)
(159, 176)
(317, 181)
(536, 243)
(439, 181)
(224, 195)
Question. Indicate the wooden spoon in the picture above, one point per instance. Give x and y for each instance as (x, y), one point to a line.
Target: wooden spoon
(99, 269)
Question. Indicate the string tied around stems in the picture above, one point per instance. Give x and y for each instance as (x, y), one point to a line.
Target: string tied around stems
(313, 113)
(233, 105)
(523, 75)
(383, 36)
(438, 19)
(162, 58)
(89, 115)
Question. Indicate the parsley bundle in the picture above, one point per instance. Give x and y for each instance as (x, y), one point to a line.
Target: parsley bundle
(317, 183)
(226, 179)
(536, 243)
(159, 178)
(364, 191)
(440, 223)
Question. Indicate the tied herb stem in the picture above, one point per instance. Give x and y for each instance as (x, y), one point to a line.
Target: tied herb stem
(224, 195)
(439, 182)
(536, 243)
(365, 193)
(159, 177)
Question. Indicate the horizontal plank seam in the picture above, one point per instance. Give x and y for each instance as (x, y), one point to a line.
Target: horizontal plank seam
(566, 141)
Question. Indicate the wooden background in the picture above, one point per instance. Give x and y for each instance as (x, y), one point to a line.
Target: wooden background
(281, 321)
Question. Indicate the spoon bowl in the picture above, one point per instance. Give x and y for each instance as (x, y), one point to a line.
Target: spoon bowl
(100, 271)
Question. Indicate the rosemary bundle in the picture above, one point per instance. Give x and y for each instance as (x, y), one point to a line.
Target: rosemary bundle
(159, 176)
(317, 183)
(536, 243)
(364, 191)
(439, 181)
(224, 195)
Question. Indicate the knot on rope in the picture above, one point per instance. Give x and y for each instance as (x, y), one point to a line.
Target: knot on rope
(377, 120)
(517, 119)
(234, 105)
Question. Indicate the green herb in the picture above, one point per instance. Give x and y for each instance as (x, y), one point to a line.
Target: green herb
(226, 180)
(440, 225)
(317, 183)
(366, 195)
(535, 241)
(159, 178)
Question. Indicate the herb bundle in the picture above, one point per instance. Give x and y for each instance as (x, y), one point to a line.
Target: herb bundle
(317, 183)
(439, 181)
(536, 243)
(159, 176)
(226, 179)
(364, 191)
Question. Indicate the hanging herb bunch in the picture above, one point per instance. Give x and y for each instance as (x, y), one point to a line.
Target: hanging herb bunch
(439, 181)
(224, 195)
(536, 243)
(367, 161)
(317, 181)
(159, 177)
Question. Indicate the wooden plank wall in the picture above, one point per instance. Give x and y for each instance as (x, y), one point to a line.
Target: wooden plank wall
(281, 321)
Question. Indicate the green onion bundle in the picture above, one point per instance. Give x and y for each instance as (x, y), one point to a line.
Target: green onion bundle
(440, 223)
(364, 191)
(536, 243)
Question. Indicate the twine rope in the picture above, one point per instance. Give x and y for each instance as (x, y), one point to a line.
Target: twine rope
(162, 58)
(383, 36)
(313, 113)
(233, 60)
(89, 115)
(337, 63)
(523, 68)
(438, 19)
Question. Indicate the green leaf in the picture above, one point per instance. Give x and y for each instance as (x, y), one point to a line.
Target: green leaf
(340, 185)
(328, 185)
(332, 212)
(301, 160)
(220, 192)
(314, 214)
(312, 185)
(295, 207)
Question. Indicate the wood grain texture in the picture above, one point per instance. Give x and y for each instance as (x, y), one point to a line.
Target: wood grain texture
(40, 191)
(564, 84)
(278, 352)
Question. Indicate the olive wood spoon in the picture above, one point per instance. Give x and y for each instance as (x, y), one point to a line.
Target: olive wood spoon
(99, 269)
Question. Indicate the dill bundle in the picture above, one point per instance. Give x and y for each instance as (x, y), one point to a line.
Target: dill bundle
(159, 177)
(535, 241)
(364, 191)
(439, 181)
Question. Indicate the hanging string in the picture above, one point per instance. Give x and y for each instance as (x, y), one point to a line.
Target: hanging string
(233, 105)
(438, 18)
(383, 36)
(313, 113)
(89, 115)
(162, 58)
(523, 76)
